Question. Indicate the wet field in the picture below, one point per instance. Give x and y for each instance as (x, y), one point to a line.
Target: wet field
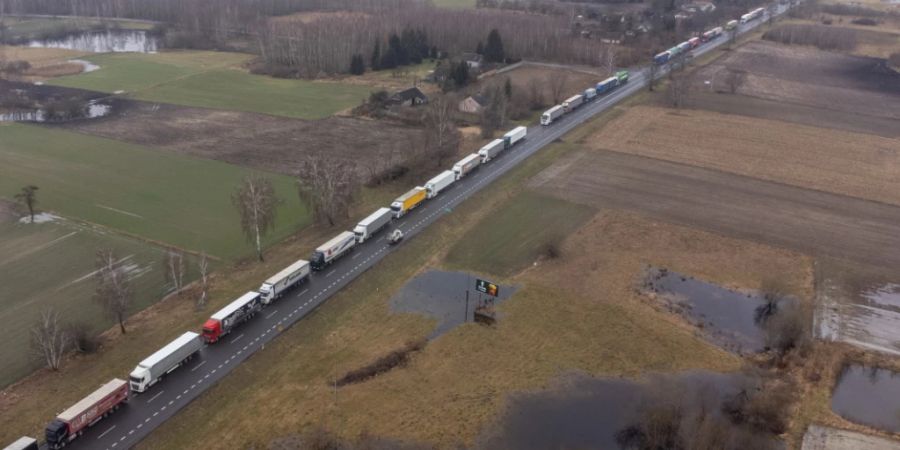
(870, 396)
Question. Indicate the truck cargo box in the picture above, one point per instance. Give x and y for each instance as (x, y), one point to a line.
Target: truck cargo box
(88, 411)
(164, 360)
(370, 225)
(332, 250)
(512, 137)
(489, 151)
(466, 165)
(277, 284)
(573, 102)
(437, 184)
(552, 114)
(408, 201)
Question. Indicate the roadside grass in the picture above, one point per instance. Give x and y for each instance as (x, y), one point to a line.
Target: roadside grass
(213, 80)
(459, 382)
(516, 234)
(159, 196)
(50, 265)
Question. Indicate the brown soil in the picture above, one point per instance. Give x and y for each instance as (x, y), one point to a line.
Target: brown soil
(851, 92)
(576, 81)
(265, 142)
(840, 162)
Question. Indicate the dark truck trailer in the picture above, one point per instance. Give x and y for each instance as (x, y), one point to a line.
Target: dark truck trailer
(72, 422)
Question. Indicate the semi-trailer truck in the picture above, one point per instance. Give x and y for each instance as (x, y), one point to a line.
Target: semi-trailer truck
(732, 24)
(589, 94)
(372, 224)
(552, 114)
(606, 85)
(72, 422)
(662, 58)
(328, 252)
(489, 151)
(227, 318)
(712, 34)
(466, 165)
(164, 361)
(512, 137)
(442, 181)
(694, 42)
(283, 281)
(408, 201)
(573, 102)
(684, 46)
(23, 443)
(622, 77)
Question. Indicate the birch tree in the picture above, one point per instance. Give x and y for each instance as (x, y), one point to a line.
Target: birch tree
(50, 339)
(256, 203)
(113, 291)
(203, 268)
(173, 268)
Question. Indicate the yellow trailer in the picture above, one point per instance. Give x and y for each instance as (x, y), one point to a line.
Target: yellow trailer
(408, 201)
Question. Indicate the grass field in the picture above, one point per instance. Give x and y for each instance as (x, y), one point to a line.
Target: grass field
(213, 80)
(514, 235)
(50, 264)
(165, 197)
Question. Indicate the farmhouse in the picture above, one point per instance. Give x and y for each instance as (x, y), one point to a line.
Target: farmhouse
(409, 97)
(472, 104)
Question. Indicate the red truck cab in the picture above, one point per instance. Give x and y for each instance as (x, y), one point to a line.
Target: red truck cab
(212, 330)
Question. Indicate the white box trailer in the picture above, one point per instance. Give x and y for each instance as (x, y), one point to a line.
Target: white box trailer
(370, 225)
(437, 184)
(332, 250)
(489, 151)
(164, 361)
(589, 94)
(23, 443)
(466, 165)
(515, 135)
(282, 281)
(573, 102)
(552, 114)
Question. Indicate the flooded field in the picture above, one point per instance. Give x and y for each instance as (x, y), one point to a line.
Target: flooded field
(870, 396)
(90, 110)
(103, 42)
(442, 295)
(585, 412)
(730, 319)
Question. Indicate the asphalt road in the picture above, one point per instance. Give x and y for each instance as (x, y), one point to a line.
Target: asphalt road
(147, 411)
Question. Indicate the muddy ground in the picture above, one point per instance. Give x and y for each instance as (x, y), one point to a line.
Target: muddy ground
(16, 95)
(812, 86)
(275, 144)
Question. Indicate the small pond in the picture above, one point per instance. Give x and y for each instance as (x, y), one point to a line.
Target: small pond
(730, 318)
(870, 396)
(103, 42)
(442, 295)
(91, 110)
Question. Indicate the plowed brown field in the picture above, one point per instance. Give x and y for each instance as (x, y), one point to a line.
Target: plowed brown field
(840, 162)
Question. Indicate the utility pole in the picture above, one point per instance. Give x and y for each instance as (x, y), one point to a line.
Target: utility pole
(466, 316)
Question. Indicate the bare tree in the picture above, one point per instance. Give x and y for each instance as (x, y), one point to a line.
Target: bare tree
(173, 268)
(50, 339)
(493, 115)
(535, 94)
(203, 268)
(113, 291)
(442, 138)
(557, 84)
(609, 58)
(327, 185)
(651, 76)
(28, 197)
(679, 87)
(732, 37)
(256, 203)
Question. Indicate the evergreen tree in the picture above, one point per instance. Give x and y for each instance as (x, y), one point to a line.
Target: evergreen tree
(395, 46)
(507, 88)
(408, 40)
(357, 66)
(376, 55)
(460, 74)
(493, 51)
(479, 49)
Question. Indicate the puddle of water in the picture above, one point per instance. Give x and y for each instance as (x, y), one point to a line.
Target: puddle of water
(586, 412)
(442, 295)
(39, 218)
(91, 110)
(730, 318)
(103, 42)
(86, 66)
(869, 396)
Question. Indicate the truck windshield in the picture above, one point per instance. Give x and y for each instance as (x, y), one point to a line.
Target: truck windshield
(317, 258)
(136, 380)
(55, 431)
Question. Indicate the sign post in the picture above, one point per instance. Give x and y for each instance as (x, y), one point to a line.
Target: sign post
(487, 287)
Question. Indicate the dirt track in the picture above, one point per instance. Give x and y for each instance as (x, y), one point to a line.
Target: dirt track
(266, 142)
(810, 221)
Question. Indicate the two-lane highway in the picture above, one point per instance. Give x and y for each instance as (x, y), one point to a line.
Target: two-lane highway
(147, 411)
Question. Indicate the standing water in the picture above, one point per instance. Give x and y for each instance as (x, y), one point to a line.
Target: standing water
(869, 396)
(103, 42)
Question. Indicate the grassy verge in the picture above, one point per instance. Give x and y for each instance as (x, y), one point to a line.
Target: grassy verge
(213, 80)
(163, 197)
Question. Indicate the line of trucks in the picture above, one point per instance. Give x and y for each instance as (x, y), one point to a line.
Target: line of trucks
(99, 404)
(709, 35)
(72, 422)
(572, 103)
